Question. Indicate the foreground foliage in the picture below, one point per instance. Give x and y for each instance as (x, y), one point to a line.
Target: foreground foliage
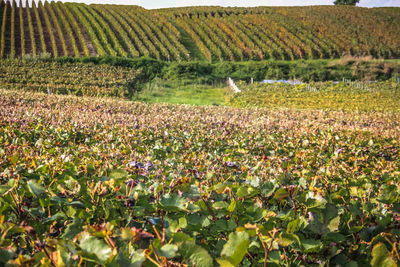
(101, 181)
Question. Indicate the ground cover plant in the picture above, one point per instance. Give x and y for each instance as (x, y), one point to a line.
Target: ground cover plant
(99, 181)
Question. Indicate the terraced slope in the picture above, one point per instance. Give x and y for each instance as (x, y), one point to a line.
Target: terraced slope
(205, 33)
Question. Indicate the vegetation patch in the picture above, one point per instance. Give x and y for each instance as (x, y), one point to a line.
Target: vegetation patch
(99, 181)
(359, 96)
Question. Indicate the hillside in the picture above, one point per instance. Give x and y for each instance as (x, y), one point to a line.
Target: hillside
(198, 33)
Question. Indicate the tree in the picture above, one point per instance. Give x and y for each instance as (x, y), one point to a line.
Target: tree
(346, 2)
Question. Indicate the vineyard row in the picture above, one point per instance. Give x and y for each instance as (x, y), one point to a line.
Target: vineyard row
(211, 33)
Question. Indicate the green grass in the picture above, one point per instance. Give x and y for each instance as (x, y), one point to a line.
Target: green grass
(181, 92)
(187, 41)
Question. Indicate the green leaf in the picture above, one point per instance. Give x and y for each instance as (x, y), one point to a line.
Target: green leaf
(36, 188)
(293, 226)
(334, 237)
(168, 251)
(175, 226)
(73, 229)
(172, 202)
(236, 247)
(232, 206)
(242, 191)
(59, 216)
(356, 229)
(245, 191)
(311, 246)
(5, 256)
(195, 255)
(138, 258)
(351, 264)
(58, 200)
(381, 257)
(92, 246)
(223, 262)
(180, 237)
(126, 234)
(275, 258)
(389, 194)
(5, 189)
(334, 224)
(76, 204)
(281, 194)
(118, 174)
(268, 189)
(220, 205)
(286, 239)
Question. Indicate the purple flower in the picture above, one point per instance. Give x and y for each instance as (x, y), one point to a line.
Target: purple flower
(149, 165)
(135, 164)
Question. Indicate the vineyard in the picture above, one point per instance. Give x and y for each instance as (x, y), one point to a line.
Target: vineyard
(98, 181)
(361, 96)
(76, 79)
(300, 167)
(197, 33)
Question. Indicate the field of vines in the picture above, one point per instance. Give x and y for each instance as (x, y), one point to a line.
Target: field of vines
(66, 78)
(90, 181)
(347, 95)
(36, 28)
(275, 175)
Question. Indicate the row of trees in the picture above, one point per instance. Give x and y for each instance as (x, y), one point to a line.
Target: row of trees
(346, 2)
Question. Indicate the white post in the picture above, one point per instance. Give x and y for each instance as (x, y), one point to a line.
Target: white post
(232, 85)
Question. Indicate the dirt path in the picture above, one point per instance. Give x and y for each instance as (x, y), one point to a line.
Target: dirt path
(18, 49)
(28, 41)
(36, 33)
(46, 32)
(7, 34)
(89, 44)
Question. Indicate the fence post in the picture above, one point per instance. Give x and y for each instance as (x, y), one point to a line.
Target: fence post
(232, 85)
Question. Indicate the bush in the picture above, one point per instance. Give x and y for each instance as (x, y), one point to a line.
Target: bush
(205, 72)
(188, 70)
